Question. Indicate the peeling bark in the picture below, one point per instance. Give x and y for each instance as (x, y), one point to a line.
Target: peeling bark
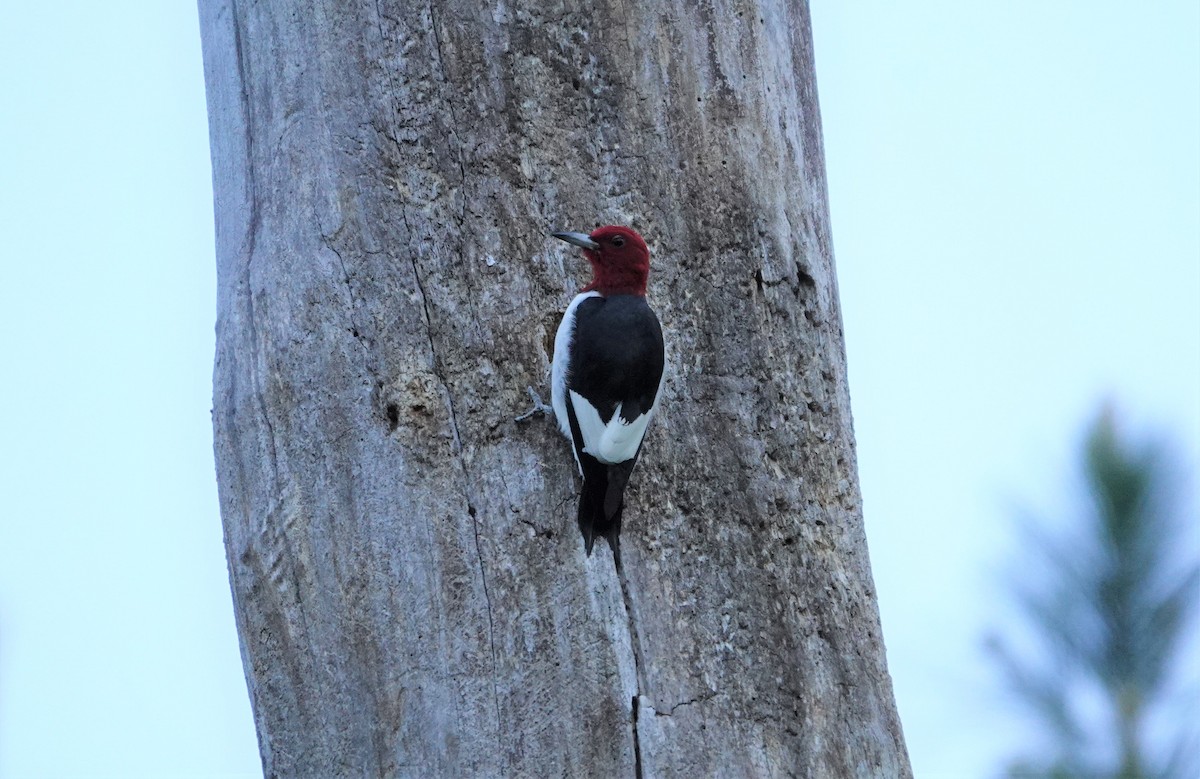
(411, 594)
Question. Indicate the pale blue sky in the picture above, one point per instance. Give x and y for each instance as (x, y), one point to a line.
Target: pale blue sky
(1015, 192)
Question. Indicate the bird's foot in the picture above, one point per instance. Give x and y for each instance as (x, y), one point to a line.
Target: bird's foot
(538, 407)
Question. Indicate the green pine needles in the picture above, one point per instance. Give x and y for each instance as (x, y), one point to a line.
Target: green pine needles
(1106, 609)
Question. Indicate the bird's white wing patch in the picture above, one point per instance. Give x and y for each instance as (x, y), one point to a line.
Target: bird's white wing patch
(562, 358)
(610, 443)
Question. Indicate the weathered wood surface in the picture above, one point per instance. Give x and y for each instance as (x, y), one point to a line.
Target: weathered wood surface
(411, 592)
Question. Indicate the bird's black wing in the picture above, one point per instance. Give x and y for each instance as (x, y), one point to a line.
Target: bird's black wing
(617, 355)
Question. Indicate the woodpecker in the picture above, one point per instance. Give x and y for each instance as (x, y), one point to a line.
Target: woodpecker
(607, 374)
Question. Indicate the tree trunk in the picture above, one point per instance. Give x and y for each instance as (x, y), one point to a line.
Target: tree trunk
(411, 591)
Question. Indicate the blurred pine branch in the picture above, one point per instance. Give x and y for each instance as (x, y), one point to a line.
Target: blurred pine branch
(1108, 606)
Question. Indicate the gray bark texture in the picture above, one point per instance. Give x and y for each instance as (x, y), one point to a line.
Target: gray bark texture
(411, 592)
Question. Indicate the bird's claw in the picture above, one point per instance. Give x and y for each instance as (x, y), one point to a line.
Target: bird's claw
(538, 407)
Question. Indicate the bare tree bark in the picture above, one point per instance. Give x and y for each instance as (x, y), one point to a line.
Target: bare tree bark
(411, 593)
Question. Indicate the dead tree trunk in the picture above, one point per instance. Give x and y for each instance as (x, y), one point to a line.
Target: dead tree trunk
(411, 592)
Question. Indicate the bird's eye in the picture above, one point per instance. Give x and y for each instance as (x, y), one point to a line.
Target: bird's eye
(618, 241)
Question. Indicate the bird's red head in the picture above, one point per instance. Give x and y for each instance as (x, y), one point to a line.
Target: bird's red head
(619, 257)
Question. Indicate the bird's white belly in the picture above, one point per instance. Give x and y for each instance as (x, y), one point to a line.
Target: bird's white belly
(613, 442)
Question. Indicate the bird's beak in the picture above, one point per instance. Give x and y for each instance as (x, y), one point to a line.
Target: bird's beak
(579, 239)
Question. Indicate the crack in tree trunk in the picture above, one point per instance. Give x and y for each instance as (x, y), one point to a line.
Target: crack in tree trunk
(635, 647)
(491, 623)
(637, 743)
(466, 481)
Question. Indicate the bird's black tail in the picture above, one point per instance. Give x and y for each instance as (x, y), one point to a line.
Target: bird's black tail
(602, 502)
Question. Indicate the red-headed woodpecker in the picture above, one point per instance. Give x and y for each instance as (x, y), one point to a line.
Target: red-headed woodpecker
(606, 378)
